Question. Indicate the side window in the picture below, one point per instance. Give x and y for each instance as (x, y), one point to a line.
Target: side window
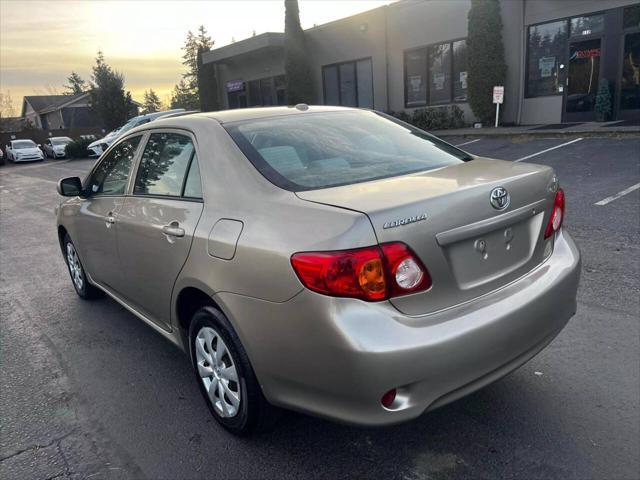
(164, 164)
(111, 175)
(193, 185)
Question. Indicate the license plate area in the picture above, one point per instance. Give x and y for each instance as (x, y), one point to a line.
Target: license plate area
(486, 257)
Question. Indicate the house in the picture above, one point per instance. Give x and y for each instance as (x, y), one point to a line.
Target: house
(52, 112)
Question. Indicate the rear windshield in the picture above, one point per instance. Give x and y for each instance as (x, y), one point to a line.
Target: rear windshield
(320, 150)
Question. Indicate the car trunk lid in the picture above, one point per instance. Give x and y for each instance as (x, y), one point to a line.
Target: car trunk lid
(448, 220)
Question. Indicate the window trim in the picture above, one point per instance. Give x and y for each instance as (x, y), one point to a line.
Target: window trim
(426, 48)
(196, 151)
(355, 76)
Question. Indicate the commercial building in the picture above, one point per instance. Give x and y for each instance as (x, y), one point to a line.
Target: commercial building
(413, 54)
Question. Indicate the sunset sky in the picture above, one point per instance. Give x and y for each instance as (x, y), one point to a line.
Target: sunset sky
(41, 42)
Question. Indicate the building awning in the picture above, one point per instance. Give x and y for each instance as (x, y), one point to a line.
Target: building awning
(264, 41)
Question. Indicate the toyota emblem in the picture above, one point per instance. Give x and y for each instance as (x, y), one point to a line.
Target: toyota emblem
(500, 198)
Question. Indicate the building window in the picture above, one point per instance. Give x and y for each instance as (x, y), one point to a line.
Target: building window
(460, 71)
(415, 86)
(631, 17)
(440, 74)
(349, 84)
(546, 50)
(581, 26)
(436, 74)
(262, 92)
(630, 84)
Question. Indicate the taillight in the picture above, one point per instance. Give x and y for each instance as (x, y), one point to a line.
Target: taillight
(557, 215)
(370, 273)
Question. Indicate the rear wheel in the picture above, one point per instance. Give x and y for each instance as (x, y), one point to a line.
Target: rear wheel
(225, 376)
(80, 282)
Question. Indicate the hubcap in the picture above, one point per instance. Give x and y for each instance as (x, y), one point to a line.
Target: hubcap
(74, 266)
(217, 369)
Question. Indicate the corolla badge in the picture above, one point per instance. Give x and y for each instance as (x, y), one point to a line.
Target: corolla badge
(500, 198)
(405, 221)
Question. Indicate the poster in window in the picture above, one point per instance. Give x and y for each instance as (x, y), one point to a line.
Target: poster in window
(463, 80)
(438, 80)
(415, 81)
(546, 66)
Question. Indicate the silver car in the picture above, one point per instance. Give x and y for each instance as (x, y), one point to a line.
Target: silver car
(323, 259)
(55, 147)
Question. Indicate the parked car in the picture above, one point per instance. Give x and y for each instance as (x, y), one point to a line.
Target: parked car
(1, 157)
(328, 260)
(54, 147)
(23, 151)
(96, 148)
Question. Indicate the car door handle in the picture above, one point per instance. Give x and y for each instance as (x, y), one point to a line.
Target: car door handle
(173, 230)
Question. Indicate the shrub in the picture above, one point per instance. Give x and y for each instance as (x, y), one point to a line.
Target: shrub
(434, 118)
(78, 148)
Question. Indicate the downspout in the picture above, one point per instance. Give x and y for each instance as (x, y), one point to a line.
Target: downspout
(523, 64)
(386, 55)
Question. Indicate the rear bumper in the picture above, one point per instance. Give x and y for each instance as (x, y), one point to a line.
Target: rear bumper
(335, 357)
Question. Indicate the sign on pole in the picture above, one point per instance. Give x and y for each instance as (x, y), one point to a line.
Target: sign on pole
(498, 98)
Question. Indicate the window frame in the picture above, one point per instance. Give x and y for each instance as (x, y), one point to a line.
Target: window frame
(134, 162)
(355, 77)
(427, 48)
(196, 152)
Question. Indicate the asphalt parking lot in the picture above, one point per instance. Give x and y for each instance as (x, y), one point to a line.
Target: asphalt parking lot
(88, 391)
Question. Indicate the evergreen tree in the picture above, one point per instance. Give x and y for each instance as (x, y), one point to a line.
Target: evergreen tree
(300, 86)
(109, 100)
(486, 64)
(151, 102)
(185, 93)
(76, 84)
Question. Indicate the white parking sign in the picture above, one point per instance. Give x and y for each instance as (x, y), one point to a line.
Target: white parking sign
(498, 94)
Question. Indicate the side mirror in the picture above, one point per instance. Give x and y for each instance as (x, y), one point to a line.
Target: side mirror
(69, 187)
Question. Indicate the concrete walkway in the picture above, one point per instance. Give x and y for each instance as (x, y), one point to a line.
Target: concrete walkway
(588, 129)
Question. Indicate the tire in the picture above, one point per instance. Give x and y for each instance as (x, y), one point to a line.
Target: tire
(252, 413)
(76, 271)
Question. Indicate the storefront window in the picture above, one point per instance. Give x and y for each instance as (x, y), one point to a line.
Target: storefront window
(415, 77)
(630, 85)
(581, 26)
(440, 73)
(349, 84)
(255, 96)
(460, 71)
(546, 70)
(631, 17)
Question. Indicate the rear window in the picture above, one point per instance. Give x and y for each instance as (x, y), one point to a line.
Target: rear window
(321, 150)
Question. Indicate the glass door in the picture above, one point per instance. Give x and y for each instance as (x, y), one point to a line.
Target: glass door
(582, 80)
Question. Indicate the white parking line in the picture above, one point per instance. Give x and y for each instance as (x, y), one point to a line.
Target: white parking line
(548, 150)
(610, 199)
(467, 143)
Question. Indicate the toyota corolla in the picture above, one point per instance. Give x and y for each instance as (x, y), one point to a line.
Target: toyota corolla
(328, 260)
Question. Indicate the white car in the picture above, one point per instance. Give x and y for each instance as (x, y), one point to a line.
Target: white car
(23, 151)
(96, 148)
(54, 147)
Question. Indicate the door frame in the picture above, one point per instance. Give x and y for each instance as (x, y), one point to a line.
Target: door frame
(580, 116)
(624, 114)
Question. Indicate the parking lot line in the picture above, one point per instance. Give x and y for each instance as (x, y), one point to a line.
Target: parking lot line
(467, 143)
(548, 150)
(610, 199)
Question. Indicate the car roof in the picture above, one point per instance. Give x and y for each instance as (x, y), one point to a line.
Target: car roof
(241, 114)
(58, 138)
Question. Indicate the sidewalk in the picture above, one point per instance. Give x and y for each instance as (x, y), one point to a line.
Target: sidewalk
(589, 129)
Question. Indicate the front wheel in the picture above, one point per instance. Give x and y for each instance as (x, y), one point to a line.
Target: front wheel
(225, 376)
(80, 283)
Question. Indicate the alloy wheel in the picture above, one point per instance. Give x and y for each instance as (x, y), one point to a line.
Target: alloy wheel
(74, 266)
(217, 369)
